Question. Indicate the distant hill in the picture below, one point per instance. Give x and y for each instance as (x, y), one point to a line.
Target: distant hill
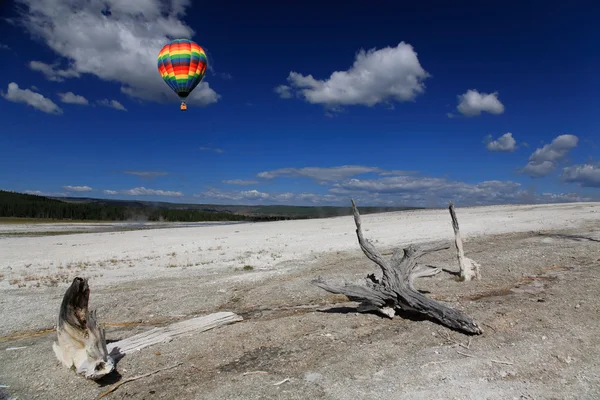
(20, 205)
(293, 212)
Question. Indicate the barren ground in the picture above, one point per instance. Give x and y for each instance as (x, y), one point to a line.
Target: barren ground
(537, 302)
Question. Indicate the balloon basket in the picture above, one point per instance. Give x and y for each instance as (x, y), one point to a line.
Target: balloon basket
(183, 107)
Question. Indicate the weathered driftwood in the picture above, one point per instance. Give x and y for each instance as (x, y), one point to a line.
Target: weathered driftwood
(395, 291)
(469, 269)
(165, 334)
(82, 344)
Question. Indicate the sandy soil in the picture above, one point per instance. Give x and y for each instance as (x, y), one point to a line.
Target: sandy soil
(537, 303)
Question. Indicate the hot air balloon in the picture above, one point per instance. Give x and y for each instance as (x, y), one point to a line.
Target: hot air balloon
(182, 64)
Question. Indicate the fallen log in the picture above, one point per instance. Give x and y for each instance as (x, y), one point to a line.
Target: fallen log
(395, 291)
(165, 334)
(82, 344)
(468, 269)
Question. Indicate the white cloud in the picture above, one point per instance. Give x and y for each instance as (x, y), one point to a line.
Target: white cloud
(112, 104)
(34, 99)
(243, 195)
(4, 46)
(505, 143)
(473, 103)
(257, 197)
(406, 190)
(315, 198)
(254, 194)
(117, 41)
(563, 198)
(395, 172)
(284, 91)
(211, 149)
(45, 194)
(146, 174)
(240, 182)
(53, 73)
(586, 175)
(377, 76)
(544, 160)
(142, 191)
(435, 192)
(422, 189)
(77, 188)
(320, 173)
(111, 192)
(72, 98)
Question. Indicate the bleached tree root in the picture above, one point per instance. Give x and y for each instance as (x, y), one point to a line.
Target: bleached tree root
(395, 292)
(469, 269)
(82, 344)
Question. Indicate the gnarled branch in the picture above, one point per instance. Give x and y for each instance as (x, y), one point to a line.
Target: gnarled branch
(395, 290)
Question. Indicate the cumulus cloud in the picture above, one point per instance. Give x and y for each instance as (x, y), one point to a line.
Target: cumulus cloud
(473, 103)
(284, 91)
(377, 76)
(319, 173)
(52, 72)
(112, 104)
(77, 188)
(33, 99)
(258, 197)
(563, 198)
(110, 192)
(421, 190)
(72, 98)
(396, 172)
(142, 191)
(244, 196)
(435, 192)
(505, 143)
(405, 190)
(213, 149)
(114, 40)
(316, 198)
(544, 160)
(45, 194)
(240, 182)
(586, 175)
(146, 174)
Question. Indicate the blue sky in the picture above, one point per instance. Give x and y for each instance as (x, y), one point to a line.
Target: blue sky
(304, 103)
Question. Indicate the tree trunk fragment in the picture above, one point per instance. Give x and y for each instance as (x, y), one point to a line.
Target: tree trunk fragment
(469, 269)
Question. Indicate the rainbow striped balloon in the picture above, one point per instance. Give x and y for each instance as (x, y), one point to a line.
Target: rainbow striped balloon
(182, 64)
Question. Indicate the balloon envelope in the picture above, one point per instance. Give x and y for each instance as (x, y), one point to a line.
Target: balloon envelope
(182, 64)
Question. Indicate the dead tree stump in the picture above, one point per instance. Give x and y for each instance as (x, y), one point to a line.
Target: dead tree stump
(395, 291)
(81, 342)
(469, 269)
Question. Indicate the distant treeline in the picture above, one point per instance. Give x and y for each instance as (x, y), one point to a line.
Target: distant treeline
(19, 205)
